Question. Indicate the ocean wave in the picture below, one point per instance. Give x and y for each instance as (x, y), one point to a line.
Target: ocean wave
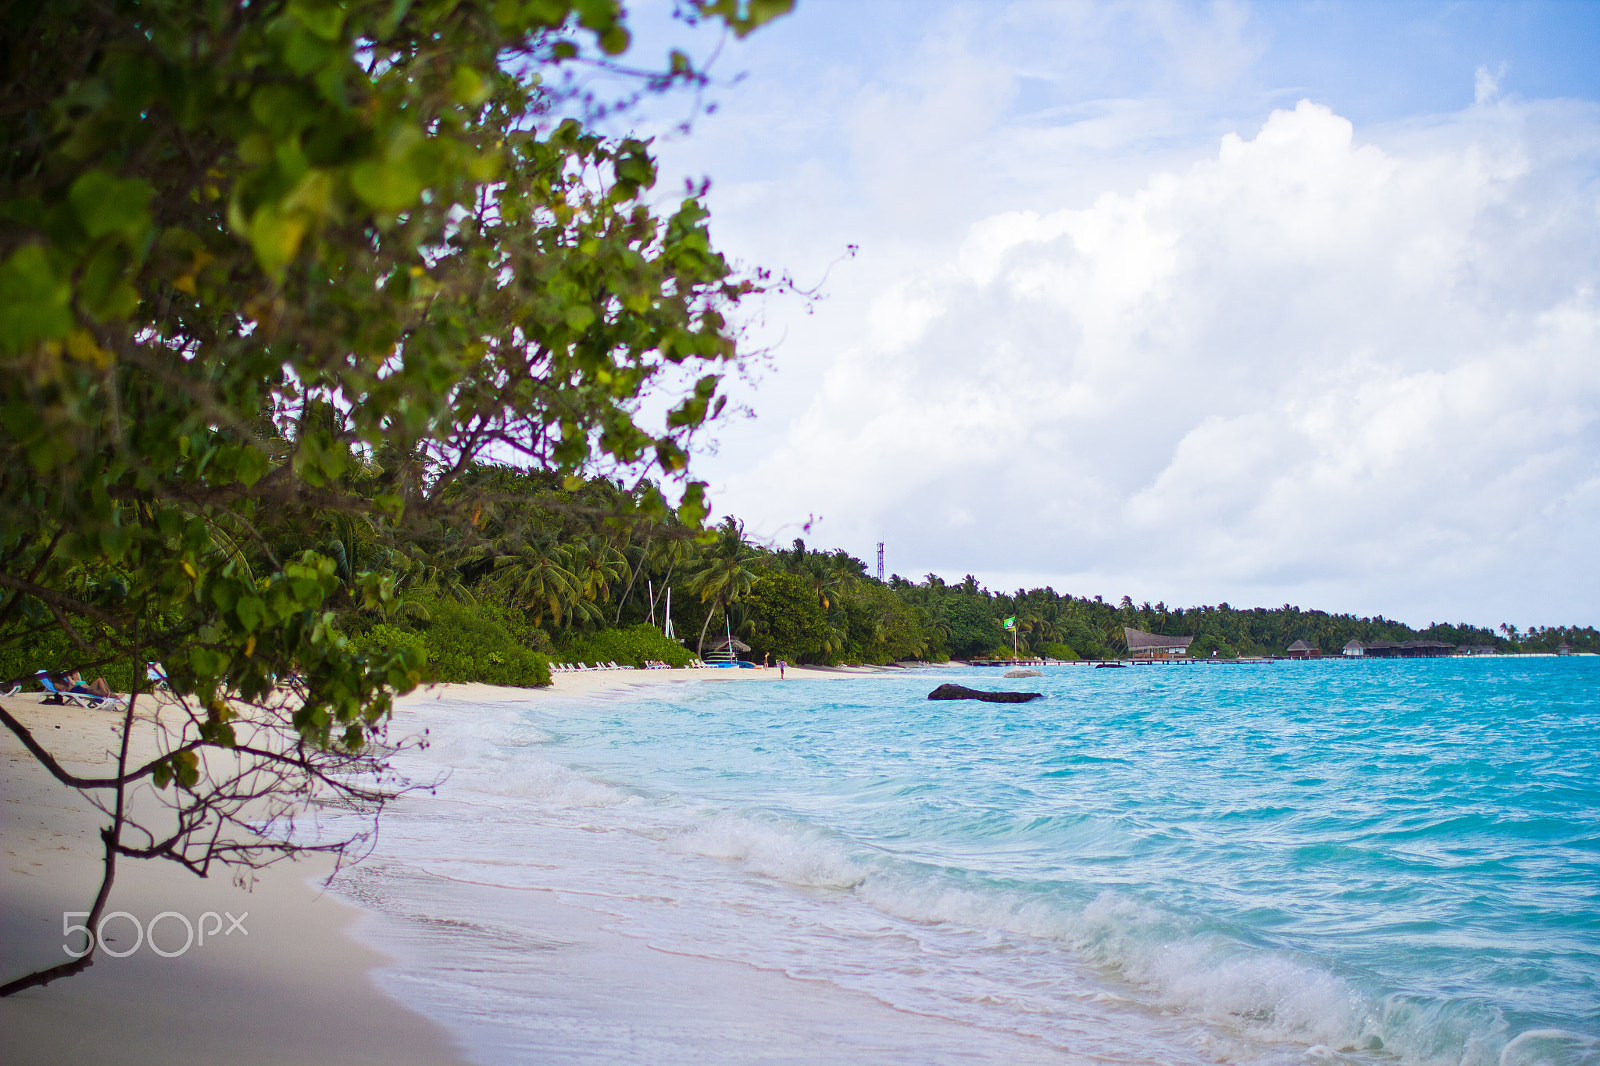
(548, 782)
(983, 875)
(796, 855)
(1258, 995)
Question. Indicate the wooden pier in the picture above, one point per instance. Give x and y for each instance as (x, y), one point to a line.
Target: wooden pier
(1172, 661)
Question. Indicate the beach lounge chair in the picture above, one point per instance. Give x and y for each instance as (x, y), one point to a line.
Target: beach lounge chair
(78, 699)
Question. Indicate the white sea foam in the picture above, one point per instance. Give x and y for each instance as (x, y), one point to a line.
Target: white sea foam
(793, 854)
(1116, 971)
(1551, 1047)
(539, 779)
(1256, 994)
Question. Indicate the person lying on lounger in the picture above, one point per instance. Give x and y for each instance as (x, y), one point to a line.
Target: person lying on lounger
(98, 687)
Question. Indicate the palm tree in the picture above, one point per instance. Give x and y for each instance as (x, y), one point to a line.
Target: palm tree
(596, 563)
(726, 574)
(664, 559)
(637, 555)
(537, 573)
(1039, 630)
(829, 575)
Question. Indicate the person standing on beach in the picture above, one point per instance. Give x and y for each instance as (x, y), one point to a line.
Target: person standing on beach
(781, 665)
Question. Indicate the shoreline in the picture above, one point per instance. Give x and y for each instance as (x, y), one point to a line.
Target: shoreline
(295, 983)
(287, 985)
(323, 977)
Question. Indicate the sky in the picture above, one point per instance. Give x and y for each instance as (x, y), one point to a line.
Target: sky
(1258, 303)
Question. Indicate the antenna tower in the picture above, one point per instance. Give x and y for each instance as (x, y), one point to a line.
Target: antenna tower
(880, 560)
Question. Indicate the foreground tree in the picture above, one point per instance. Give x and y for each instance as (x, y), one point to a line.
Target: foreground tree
(297, 259)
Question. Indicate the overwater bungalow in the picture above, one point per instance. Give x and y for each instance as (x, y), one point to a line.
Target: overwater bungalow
(1142, 645)
(1408, 649)
(1301, 649)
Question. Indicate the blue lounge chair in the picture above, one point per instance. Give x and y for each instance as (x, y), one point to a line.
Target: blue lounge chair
(77, 697)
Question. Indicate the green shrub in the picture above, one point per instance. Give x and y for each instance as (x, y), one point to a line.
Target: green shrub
(52, 650)
(1058, 651)
(786, 620)
(970, 625)
(1205, 644)
(384, 638)
(484, 643)
(633, 646)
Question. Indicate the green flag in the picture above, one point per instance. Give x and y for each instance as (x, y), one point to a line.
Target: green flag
(1011, 623)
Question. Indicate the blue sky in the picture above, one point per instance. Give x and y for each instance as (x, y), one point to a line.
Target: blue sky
(1264, 303)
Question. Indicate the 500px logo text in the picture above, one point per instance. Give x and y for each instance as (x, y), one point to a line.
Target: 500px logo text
(194, 933)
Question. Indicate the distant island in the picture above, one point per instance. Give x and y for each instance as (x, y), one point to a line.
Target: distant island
(550, 576)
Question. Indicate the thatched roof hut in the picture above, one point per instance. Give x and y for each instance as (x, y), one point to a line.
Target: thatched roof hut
(1409, 649)
(1141, 643)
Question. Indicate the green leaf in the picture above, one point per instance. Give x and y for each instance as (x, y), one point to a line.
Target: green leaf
(252, 465)
(324, 18)
(34, 301)
(598, 15)
(104, 288)
(252, 612)
(388, 185)
(468, 87)
(306, 51)
(105, 204)
(391, 21)
(754, 13)
(279, 108)
(185, 768)
(275, 237)
(693, 508)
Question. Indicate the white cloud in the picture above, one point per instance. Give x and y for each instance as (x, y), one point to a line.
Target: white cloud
(1486, 85)
(1310, 364)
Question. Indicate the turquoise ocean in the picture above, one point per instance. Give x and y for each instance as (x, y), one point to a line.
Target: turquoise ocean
(1324, 862)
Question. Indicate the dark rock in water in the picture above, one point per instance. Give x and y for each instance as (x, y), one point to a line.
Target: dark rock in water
(961, 692)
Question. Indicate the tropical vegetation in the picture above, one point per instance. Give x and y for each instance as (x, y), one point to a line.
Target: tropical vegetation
(289, 292)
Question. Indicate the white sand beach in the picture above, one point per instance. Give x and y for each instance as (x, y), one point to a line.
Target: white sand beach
(290, 985)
